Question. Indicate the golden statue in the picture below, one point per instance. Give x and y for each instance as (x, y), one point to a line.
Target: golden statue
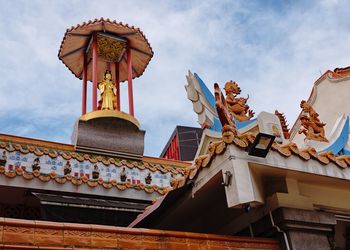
(312, 127)
(108, 92)
(237, 106)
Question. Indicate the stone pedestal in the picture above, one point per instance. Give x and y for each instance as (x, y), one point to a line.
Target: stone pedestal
(303, 229)
(109, 132)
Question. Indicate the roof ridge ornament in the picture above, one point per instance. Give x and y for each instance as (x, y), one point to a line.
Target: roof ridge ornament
(311, 126)
(247, 140)
(284, 124)
(237, 106)
(224, 114)
(229, 132)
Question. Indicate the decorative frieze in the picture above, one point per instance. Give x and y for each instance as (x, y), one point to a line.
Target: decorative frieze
(47, 165)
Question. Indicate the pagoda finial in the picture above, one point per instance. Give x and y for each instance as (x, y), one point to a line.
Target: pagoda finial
(90, 49)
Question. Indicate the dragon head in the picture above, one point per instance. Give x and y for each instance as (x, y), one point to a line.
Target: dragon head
(305, 106)
(232, 87)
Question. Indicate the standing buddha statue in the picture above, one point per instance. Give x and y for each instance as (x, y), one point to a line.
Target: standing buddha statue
(108, 92)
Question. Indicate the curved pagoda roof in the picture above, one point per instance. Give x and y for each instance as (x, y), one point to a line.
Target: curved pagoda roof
(113, 38)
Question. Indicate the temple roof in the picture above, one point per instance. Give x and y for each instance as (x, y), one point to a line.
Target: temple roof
(336, 166)
(232, 146)
(289, 150)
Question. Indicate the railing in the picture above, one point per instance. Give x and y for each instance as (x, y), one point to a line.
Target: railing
(30, 234)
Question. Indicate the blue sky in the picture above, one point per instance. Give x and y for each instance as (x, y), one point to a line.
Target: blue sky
(275, 50)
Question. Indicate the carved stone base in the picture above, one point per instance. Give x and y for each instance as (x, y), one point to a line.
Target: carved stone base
(109, 132)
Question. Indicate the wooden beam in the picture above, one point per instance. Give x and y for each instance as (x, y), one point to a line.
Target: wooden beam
(87, 65)
(73, 51)
(133, 69)
(113, 35)
(128, 34)
(77, 34)
(141, 51)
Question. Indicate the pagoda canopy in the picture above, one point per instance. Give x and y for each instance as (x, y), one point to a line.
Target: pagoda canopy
(113, 39)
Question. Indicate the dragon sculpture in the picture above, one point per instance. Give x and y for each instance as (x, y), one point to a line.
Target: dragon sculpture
(312, 127)
(237, 106)
(228, 125)
(204, 103)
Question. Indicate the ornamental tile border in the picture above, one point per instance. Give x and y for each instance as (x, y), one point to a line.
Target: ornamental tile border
(175, 175)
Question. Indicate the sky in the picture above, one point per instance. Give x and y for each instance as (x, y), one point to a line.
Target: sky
(274, 50)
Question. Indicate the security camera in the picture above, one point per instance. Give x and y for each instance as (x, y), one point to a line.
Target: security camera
(247, 207)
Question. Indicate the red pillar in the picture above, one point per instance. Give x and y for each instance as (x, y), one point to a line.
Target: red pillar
(171, 150)
(117, 84)
(176, 149)
(94, 72)
(83, 104)
(129, 72)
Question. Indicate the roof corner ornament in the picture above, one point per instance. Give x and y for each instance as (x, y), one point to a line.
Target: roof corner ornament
(311, 126)
(222, 107)
(203, 102)
(229, 132)
(284, 125)
(237, 106)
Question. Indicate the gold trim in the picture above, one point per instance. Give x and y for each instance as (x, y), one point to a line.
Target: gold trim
(110, 113)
